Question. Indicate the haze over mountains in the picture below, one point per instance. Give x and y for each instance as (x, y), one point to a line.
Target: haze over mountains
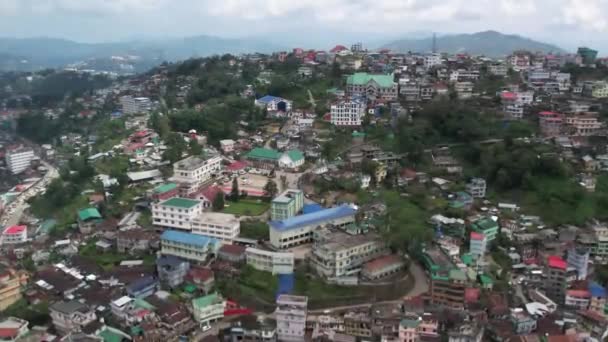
(38, 53)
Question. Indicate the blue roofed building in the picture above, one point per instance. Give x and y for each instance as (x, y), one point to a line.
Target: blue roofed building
(188, 246)
(142, 287)
(172, 270)
(274, 103)
(311, 208)
(597, 302)
(299, 229)
(286, 284)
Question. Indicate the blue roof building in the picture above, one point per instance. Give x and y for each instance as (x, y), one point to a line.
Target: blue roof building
(596, 290)
(274, 103)
(299, 229)
(142, 287)
(188, 246)
(311, 208)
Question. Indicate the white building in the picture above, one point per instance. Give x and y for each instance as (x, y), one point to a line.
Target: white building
(19, 160)
(365, 180)
(135, 105)
(14, 235)
(176, 213)
(208, 309)
(477, 187)
(290, 316)
(274, 103)
(274, 262)
(477, 245)
(464, 89)
(194, 171)
(432, 60)
(227, 145)
(498, 69)
(348, 112)
(525, 97)
(578, 258)
(291, 159)
(223, 227)
(188, 246)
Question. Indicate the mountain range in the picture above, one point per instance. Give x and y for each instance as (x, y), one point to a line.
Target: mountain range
(488, 43)
(39, 53)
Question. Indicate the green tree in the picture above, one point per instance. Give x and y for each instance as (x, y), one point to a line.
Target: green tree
(271, 189)
(234, 193)
(195, 148)
(218, 201)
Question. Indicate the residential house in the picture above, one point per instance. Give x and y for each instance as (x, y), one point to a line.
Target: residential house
(13, 329)
(227, 145)
(201, 277)
(71, 316)
(253, 328)
(208, 309)
(487, 226)
(142, 287)
(13, 235)
(136, 241)
(88, 220)
(372, 86)
(171, 271)
(577, 299)
(382, 267)
(290, 316)
(192, 247)
(477, 245)
(550, 123)
(522, 322)
(477, 187)
(232, 253)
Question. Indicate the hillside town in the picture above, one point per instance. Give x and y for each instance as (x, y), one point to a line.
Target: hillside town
(339, 195)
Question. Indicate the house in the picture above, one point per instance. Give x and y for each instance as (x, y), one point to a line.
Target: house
(88, 220)
(192, 247)
(382, 267)
(171, 270)
(208, 194)
(232, 253)
(227, 145)
(71, 316)
(165, 191)
(135, 241)
(291, 159)
(372, 86)
(14, 235)
(208, 309)
(201, 277)
(550, 123)
(142, 287)
(13, 329)
(274, 104)
(477, 187)
(486, 226)
(477, 245)
(253, 328)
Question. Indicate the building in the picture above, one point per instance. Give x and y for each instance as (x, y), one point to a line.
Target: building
(522, 322)
(487, 226)
(11, 285)
(135, 240)
(299, 229)
(550, 123)
(263, 158)
(88, 220)
(599, 90)
(268, 261)
(477, 245)
(520, 61)
(477, 187)
(432, 60)
(287, 204)
(227, 145)
(13, 329)
(291, 159)
(253, 328)
(71, 316)
(358, 324)
(348, 113)
(578, 258)
(584, 124)
(382, 267)
(192, 247)
(176, 213)
(171, 271)
(498, 69)
(337, 254)
(512, 108)
(290, 316)
(464, 89)
(232, 253)
(587, 56)
(19, 160)
(14, 235)
(577, 299)
(447, 283)
(193, 172)
(555, 282)
(274, 104)
(208, 309)
(372, 86)
(220, 226)
(597, 299)
(142, 287)
(164, 192)
(135, 105)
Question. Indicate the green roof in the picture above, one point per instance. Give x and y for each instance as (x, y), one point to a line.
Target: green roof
(362, 78)
(142, 304)
(180, 202)
(410, 323)
(263, 153)
(190, 288)
(485, 224)
(485, 280)
(136, 330)
(110, 335)
(467, 259)
(295, 155)
(457, 275)
(358, 134)
(165, 188)
(205, 301)
(89, 213)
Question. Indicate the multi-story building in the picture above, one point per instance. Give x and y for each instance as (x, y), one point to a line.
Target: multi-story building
(410, 90)
(520, 61)
(176, 212)
(578, 258)
(274, 104)
(382, 267)
(372, 86)
(220, 226)
(431, 60)
(600, 90)
(13, 329)
(447, 283)
(299, 229)
(498, 69)
(208, 309)
(477, 187)
(358, 324)
(523, 323)
(477, 245)
(467, 332)
(464, 89)
(193, 172)
(550, 123)
(577, 299)
(19, 160)
(11, 286)
(268, 261)
(587, 56)
(71, 316)
(227, 145)
(14, 235)
(584, 124)
(171, 271)
(252, 328)
(135, 105)
(597, 299)
(287, 204)
(462, 75)
(135, 240)
(348, 113)
(290, 315)
(487, 227)
(338, 254)
(555, 281)
(188, 246)
(142, 287)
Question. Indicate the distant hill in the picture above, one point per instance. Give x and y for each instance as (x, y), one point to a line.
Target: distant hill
(489, 43)
(52, 52)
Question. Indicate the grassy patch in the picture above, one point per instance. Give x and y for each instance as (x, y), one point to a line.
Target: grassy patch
(246, 207)
(254, 229)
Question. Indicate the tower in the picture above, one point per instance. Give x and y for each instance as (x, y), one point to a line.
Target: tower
(434, 42)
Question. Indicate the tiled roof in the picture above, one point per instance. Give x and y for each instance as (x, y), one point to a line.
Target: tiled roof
(180, 202)
(232, 249)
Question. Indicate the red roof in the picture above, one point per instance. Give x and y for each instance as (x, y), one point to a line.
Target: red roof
(507, 95)
(408, 173)
(338, 48)
(200, 274)
(15, 229)
(141, 133)
(211, 192)
(382, 262)
(9, 332)
(237, 165)
(477, 236)
(556, 262)
(232, 249)
(578, 293)
(471, 295)
(548, 113)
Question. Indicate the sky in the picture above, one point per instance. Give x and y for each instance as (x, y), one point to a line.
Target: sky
(314, 23)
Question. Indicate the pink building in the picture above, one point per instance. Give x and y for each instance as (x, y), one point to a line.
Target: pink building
(550, 123)
(14, 235)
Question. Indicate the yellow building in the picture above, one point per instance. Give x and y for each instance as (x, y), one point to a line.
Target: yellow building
(600, 90)
(11, 284)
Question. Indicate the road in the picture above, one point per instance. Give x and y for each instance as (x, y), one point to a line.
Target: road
(13, 214)
(312, 100)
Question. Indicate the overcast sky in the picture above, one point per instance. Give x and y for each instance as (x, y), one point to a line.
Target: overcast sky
(568, 23)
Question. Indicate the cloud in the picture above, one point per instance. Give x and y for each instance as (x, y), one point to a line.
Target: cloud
(518, 7)
(586, 15)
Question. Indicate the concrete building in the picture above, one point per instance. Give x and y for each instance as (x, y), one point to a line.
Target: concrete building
(208, 309)
(176, 213)
(372, 86)
(337, 254)
(577, 299)
(291, 159)
(477, 245)
(555, 282)
(447, 283)
(299, 229)
(477, 187)
(290, 315)
(253, 328)
(11, 285)
(14, 235)
(13, 329)
(268, 261)
(88, 220)
(193, 172)
(348, 113)
(142, 287)
(464, 89)
(220, 226)
(135, 105)
(382, 267)
(584, 124)
(431, 60)
(550, 123)
(523, 323)
(287, 204)
(227, 145)
(468, 332)
(274, 104)
(19, 160)
(487, 227)
(192, 247)
(71, 316)
(578, 258)
(498, 69)
(171, 271)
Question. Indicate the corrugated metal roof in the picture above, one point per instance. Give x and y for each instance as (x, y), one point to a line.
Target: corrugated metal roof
(187, 238)
(313, 218)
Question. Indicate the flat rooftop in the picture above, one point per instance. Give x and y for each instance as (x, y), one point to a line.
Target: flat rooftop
(180, 202)
(191, 163)
(439, 258)
(218, 218)
(337, 240)
(287, 196)
(292, 298)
